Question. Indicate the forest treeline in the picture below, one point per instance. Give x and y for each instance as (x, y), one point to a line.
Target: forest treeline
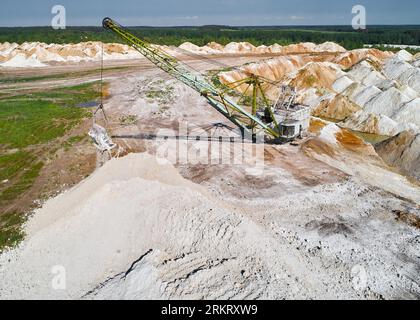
(345, 36)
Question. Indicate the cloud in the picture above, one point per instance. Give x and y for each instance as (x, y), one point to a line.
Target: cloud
(190, 18)
(294, 18)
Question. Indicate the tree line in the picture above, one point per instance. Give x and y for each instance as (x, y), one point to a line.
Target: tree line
(345, 36)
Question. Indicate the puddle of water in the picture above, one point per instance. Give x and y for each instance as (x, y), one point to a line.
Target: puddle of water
(370, 137)
(330, 119)
(89, 104)
(366, 137)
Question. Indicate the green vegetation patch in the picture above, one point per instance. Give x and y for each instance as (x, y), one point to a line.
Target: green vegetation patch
(160, 92)
(30, 126)
(310, 80)
(126, 120)
(11, 233)
(38, 118)
(25, 181)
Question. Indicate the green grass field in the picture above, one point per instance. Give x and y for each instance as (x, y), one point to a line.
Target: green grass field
(30, 125)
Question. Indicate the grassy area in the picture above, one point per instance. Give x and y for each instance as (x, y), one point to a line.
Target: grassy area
(128, 120)
(160, 95)
(31, 126)
(160, 92)
(11, 233)
(38, 118)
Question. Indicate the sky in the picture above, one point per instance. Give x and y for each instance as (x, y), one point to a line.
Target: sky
(199, 12)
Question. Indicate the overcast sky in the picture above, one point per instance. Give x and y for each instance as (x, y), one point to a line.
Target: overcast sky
(199, 12)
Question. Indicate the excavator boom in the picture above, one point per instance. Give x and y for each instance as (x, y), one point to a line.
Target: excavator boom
(245, 120)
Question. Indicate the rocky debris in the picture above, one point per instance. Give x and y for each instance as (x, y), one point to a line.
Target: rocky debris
(403, 152)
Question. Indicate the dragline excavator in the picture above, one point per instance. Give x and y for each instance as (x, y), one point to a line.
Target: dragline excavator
(276, 122)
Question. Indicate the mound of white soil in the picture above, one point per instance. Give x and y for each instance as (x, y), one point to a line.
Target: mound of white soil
(361, 94)
(387, 92)
(246, 47)
(37, 54)
(316, 75)
(336, 107)
(21, 60)
(363, 121)
(241, 47)
(387, 103)
(409, 113)
(404, 55)
(360, 71)
(349, 58)
(330, 47)
(273, 69)
(342, 84)
(99, 227)
(190, 47)
(403, 67)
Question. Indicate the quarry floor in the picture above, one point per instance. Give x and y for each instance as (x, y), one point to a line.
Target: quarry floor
(274, 224)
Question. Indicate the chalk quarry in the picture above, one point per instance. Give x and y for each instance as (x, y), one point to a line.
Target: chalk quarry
(334, 217)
